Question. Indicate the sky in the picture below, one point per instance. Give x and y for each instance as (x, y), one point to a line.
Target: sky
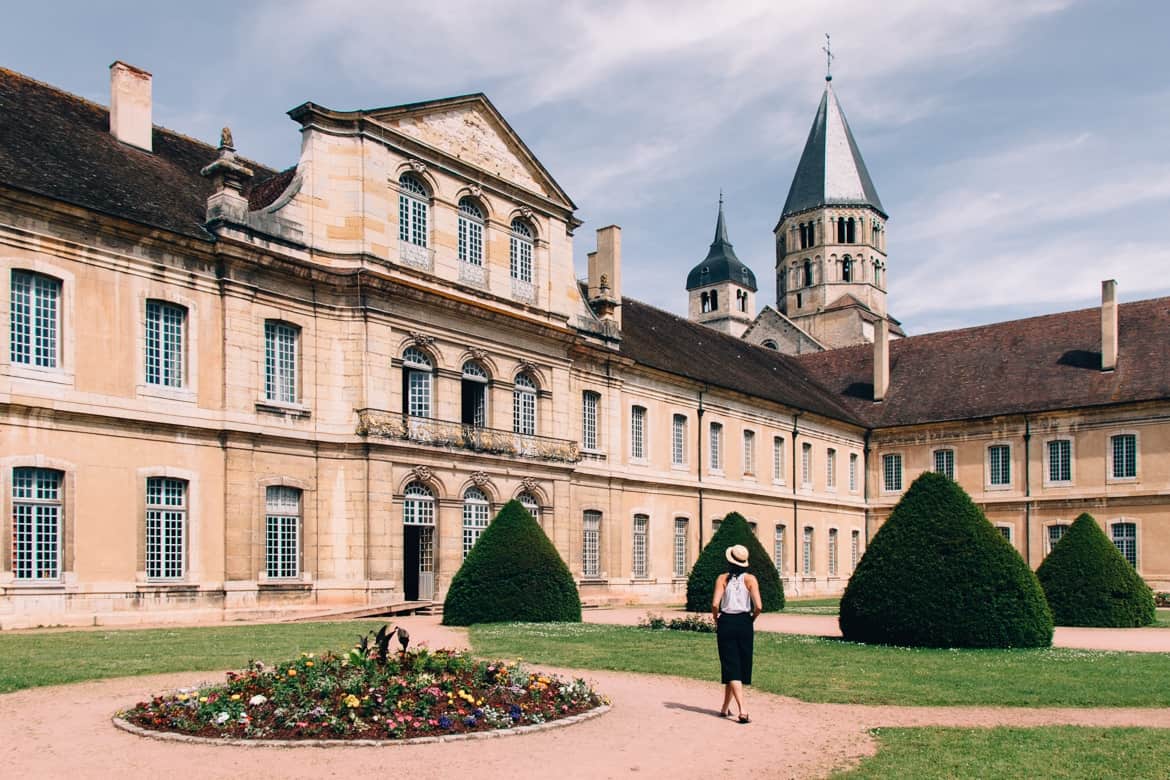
(1018, 145)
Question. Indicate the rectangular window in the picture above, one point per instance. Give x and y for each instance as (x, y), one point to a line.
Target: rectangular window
(749, 452)
(778, 458)
(778, 549)
(832, 552)
(1005, 531)
(854, 549)
(678, 440)
(716, 446)
(36, 524)
(1060, 460)
(638, 432)
(892, 473)
(282, 536)
(1124, 447)
(1125, 537)
(33, 319)
(280, 362)
(166, 528)
(680, 547)
(944, 463)
(164, 343)
(806, 552)
(520, 259)
(1055, 534)
(589, 403)
(806, 465)
(591, 545)
(853, 472)
(641, 531)
(831, 469)
(999, 464)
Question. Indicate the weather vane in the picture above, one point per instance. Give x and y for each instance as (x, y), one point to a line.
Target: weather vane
(828, 50)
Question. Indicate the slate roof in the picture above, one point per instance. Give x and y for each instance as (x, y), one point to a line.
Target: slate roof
(1042, 363)
(59, 145)
(721, 263)
(831, 171)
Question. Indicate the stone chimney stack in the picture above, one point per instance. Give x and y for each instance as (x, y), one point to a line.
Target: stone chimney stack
(605, 275)
(1108, 325)
(881, 359)
(130, 105)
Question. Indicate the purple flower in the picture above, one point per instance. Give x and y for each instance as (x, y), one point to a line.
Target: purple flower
(445, 722)
(469, 720)
(478, 713)
(514, 712)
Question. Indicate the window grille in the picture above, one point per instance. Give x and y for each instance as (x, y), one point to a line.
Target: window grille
(678, 440)
(832, 552)
(524, 406)
(419, 377)
(37, 511)
(1005, 531)
(280, 362)
(470, 232)
(807, 551)
(716, 446)
(1055, 534)
(641, 531)
(806, 464)
(520, 254)
(589, 403)
(854, 549)
(413, 205)
(1060, 460)
(475, 517)
(638, 432)
(1124, 456)
(892, 472)
(529, 502)
(418, 505)
(999, 464)
(853, 472)
(831, 469)
(944, 463)
(680, 546)
(778, 458)
(749, 452)
(591, 545)
(166, 528)
(164, 343)
(778, 548)
(33, 319)
(282, 547)
(1125, 537)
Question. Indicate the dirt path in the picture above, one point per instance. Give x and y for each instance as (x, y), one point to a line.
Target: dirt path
(659, 727)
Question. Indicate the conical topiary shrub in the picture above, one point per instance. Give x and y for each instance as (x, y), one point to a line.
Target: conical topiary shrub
(513, 573)
(1089, 583)
(937, 574)
(711, 563)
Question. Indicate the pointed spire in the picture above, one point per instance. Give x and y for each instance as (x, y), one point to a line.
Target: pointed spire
(720, 226)
(721, 264)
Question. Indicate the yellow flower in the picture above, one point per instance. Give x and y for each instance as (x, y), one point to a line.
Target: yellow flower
(308, 663)
(202, 699)
(182, 697)
(292, 672)
(235, 697)
(351, 701)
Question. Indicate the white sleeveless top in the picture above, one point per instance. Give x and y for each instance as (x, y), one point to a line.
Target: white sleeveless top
(736, 598)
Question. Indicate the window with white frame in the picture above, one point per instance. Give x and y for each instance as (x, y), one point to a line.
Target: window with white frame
(853, 472)
(806, 464)
(832, 552)
(1123, 456)
(749, 452)
(590, 401)
(999, 465)
(413, 205)
(417, 382)
(418, 505)
(166, 528)
(892, 472)
(831, 469)
(1125, 537)
(520, 254)
(778, 547)
(282, 531)
(34, 319)
(641, 532)
(529, 502)
(778, 458)
(475, 517)
(680, 547)
(524, 405)
(37, 517)
(678, 440)
(854, 550)
(591, 544)
(1005, 531)
(806, 551)
(638, 432)
(1060, 460)
(165, 323)
(944, 462)
(470, 232)
(716, 446)
(280, 362)
(1056, 532)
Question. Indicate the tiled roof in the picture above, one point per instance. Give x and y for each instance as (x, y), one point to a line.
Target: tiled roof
(59, 145)
(1040, 363)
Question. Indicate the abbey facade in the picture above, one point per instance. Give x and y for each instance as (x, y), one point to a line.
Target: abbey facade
(236, 392)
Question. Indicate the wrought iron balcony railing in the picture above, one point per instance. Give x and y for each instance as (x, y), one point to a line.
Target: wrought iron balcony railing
(446, 433)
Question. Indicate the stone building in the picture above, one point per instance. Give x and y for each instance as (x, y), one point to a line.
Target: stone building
(231, 391)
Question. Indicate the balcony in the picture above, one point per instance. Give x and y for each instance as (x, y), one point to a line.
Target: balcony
(455, 435)
(473, 274)
(421, 257)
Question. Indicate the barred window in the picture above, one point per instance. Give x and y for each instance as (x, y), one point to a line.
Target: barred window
(529, 502)
(832, 552)
(778, 458)
(831, 469)
(280, 361)
(1056, 532)
(470, 232)
(1124, 456)
(524, 406)
(282, 545)
(1125, 537)
(678, 440)
(37, 514)
(681, 559)
(892, 472)
(778, 548)
(1060, 460)
(166, 528)
(475, 517)
(418, 505)
(413, 204)
(806, 464)
(591, 545)
(418, 376)
(749, 452)
(638, 432)
(807, 551)
(165, 323)
(999, 464)
(944, 462)
(590, 401)
(853, 472)
(33, 319)
(1005, 531)
(520, 254)
(716, 446)
(641, 532)
(854, 549)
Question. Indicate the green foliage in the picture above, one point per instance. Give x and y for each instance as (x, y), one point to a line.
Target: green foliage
(696, 623)
(1089, 583)
(711, 563)
(937, 574)
(513, 573)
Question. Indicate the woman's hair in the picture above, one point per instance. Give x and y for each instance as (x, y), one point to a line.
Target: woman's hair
(734, 569)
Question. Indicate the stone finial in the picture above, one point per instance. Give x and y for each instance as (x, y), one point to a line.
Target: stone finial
(225, 139)
(228, 176)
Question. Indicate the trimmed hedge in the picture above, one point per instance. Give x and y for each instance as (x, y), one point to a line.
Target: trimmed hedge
(711, 563)
(937, 574)
(1088, 582)
(513, 573)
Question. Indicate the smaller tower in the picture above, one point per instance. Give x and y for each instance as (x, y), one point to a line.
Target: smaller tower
(722, 290)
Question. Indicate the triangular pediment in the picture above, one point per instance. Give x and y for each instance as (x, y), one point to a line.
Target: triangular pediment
(470, 129)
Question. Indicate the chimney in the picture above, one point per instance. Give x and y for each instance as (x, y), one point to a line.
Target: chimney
(605, 274)
(881, 359)
(130, 111)
(1108, 325)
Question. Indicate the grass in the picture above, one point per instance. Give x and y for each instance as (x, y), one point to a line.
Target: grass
(1050, 752)
(57, 657)
(812, 606)
(826, 670)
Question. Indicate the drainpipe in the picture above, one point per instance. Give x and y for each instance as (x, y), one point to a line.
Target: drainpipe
(796, 532)
(699, 439)
(865, 482)
(1027, 491)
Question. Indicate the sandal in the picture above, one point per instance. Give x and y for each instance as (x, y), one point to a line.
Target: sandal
(745, 719)
(725, 713)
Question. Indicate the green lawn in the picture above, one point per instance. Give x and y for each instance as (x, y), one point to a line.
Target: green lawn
(57, 657)
(826, 670)
(1048, 752)
(812, 606)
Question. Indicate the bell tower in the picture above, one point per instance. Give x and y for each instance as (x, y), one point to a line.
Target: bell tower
(721, 289)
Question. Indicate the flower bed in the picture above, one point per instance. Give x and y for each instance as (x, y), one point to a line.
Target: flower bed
(420, 693)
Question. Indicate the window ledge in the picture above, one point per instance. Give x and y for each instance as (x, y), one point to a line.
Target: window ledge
(291, 585)
(1120, 480)
(15, 586)
(1064, 483)
(183, 394)
(167, 587)
(643, 580)
(55, 375)
(680, 467)
(593, 581)
(997, 488)
(285, 410)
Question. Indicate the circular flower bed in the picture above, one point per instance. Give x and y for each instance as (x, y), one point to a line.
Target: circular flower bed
(420, 693)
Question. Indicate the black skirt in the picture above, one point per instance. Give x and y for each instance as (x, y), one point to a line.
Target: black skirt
(734, 635)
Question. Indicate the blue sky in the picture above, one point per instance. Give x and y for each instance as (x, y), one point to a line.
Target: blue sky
(1019, 145)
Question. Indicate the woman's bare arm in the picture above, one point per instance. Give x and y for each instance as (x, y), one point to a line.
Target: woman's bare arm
(720, 584)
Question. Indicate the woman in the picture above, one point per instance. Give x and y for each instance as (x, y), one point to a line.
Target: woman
(735, 607)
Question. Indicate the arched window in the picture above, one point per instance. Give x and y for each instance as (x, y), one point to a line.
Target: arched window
(470, 232)
(417, 376)
(413, 205)
(529, 502)
(475, 517)
(850, 231)
(741, 298)
(770, 344)
(705, 303)
(524, 406)
(418, 505)
(808, 276)
(877, 274)
(474, 394)
(520, 256)
(714, 300)
(847, 269)
(840, 223)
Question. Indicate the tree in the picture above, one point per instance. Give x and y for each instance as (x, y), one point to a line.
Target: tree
(937, 574)
(712, 562)
(513, 573)
(1089, 583)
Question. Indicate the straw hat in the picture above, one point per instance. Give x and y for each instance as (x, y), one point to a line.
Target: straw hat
(737, 554)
